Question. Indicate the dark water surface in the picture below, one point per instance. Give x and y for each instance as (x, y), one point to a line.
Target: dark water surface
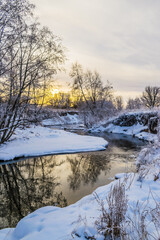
(61, 179)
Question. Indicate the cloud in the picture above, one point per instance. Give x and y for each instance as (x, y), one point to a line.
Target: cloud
(118, 38)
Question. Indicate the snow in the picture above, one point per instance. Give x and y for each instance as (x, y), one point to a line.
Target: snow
(61, 223)
(124, 124)
(142, 188)
(122, 175)
(135, 130)
(38, 140)
(4, 233)
(62, 120)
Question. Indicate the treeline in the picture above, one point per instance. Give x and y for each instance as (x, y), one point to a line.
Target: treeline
(96, 101)
(150, 98)
(88, 91)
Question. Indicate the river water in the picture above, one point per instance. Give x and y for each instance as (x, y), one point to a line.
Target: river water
(60, 180)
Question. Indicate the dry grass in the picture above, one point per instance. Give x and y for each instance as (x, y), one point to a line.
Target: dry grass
(110, 222)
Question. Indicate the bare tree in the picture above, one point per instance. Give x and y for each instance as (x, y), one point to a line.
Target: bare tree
(61, 100)
(13, 17)
(119, 103)
(79, 82)
(151, 97)
(94, 93)
(134, 103)
(30, 56)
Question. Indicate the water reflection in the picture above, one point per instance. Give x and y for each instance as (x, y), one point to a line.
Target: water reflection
(86, 168)
(122, 141)
(26, 186)
(60, 180)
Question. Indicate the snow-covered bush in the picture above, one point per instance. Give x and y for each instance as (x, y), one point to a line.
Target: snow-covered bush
(148, 162)
(149, 119)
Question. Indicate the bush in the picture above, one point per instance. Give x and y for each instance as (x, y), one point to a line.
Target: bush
(110, 222)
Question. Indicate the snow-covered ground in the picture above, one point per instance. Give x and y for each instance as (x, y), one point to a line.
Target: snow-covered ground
(77, 220)
(58, 119)
(38, 140)
(135, 131)
(138, 129)
(132, 123)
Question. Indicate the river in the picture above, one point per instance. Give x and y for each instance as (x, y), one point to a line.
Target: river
(28, 184)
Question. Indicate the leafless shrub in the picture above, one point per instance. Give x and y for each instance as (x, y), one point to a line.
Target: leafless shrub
(110, 222)
(142, 173)
(134, 103)
(137, 224)
(158, 128)
(155, 216)
(144, 156)
(148, 162)
(144, 216)
(114, 223)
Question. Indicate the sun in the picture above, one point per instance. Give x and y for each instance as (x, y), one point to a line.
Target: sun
(54, 91)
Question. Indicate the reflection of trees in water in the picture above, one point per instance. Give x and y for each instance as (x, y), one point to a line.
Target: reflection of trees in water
(86, 168)
(127, 143)
(122, 141)
(26, 186)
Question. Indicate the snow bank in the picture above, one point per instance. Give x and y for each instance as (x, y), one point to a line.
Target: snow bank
(122, 175)
(66, 119)
(61, 223)
(136, 124)
(5, 232)
(135, 131)
(37, 140)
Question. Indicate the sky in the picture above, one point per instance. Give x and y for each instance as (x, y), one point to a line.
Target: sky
(118, 38)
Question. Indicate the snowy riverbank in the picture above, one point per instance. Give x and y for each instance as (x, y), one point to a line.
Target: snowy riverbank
(65, 119)
(37, 140)
(137, 124)
(135, 131)
(78, 220)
